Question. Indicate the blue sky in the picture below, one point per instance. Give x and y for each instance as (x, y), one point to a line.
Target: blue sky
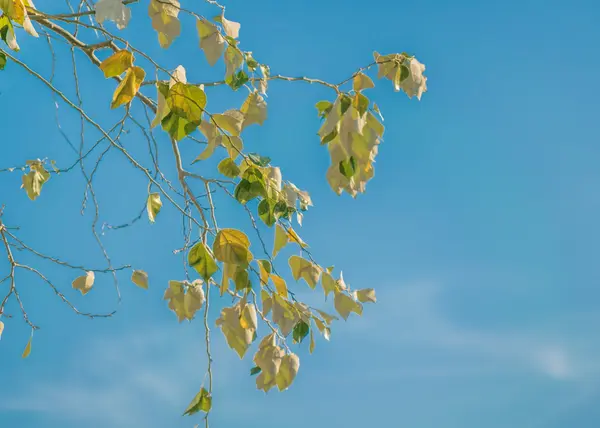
(479, 231)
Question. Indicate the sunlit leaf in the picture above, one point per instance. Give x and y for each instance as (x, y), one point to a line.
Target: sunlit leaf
(202, 261)
(128, 87)
(201, 402)
(228, 168)
(302, 268)
(300, 331)
(113, 10)
(153, 206)
(366, 295)
(344, 305)
(211, 40)
(84, 283)
(232, 246)
(290, 364)
(280, 285)
(140, 278)
(27, 349)
(164, 15)
(117, 64)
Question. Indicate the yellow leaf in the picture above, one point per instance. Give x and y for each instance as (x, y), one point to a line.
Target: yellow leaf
(266, 302)
(280, 285)
(287, 371)
(254, 110)
(184, 304)
(238, 338)
(281, 239)
(328, 318)
(1, 328)
(140, 278)
(27, 349)
(211, 41)
(344, 304)
(302, 268)
(362, 81)
(284, 314)
(35, 179)
(248, 318)
(366, 295)
(229, 270)
(311, 347)
(84, 283)
(325, 331)
(230, 121)
(264, 267)
(128, 87)
(164, 20)
(153, 206)
(293, 237)
(117, 63)
(232, 246)
(328, 283)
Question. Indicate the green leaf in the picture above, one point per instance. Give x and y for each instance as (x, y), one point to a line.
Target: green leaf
(242, 280)
(348, 167)
(329, 137)
(187, 101)
(140, 278)
(266, 211)
(300, 332)
(228, 168)
(258, 159)
(201, 402)
(361, 103)
(255, 370)
(237, 80)
(202, 261)
(324, 107)
(153, 206)
(177, 127)
(245, 191)
(232, 246)
(2, 61)
(405, 72)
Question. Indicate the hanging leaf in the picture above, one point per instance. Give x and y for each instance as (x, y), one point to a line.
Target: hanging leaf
(232, 246)
(84, 283)
(211, 40)
(344, 305)
(117, 64)
(27, 349)
(280, 285)
(128, 87)
(184, 299)
(153, 206)
(228, 168)
(366, 295)
(302, 268)
(35, 179)
(202, 261)
(1, 328)
(281, 239)
(290, 364)
(201, 402)
(140, 278)
(164, 15)
(300, 332)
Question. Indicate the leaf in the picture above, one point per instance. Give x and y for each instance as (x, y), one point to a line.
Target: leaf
(325, 331)
(302, 268)
(366, 295)
(248, 318)
(255, 370)
(230, 121)
(281, 239)
(211, 40)
(164, 20)
(290, 364)
(284, 314)
(268, 357)
(7, 33)
(153, 206)
(311, 346)
(187, 102)
(348, 167)
(228, 168)
(344, 305)
(258, 159)
(233, 60)
(140, 278)
(232, 246)
(329, 284)
(117, 64)
(280, 285)
(1, 328)
(238, 338)
(266, 211)
(84, 283)
(113, 10)
(27, 349)
(242, 280)
(202, 261)
(362, 81)
(185, 299)
(232, 28)
(326, 317)
(237, 80)
(2, 60)
(201, 402)
(128, 87)
(300, 332)
(254, 110)
(35, 179)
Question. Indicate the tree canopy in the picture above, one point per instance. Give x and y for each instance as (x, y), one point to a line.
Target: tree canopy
(168, 111)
